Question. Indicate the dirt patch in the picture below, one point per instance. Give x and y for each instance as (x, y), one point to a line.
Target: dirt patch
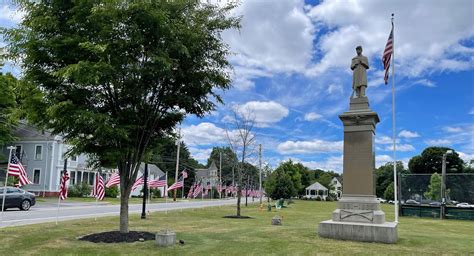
(237, 217)
(117, 237)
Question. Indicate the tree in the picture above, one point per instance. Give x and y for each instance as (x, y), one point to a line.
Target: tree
(384, 176)
(294, 171)
(279, 185)
(117, 76)
(242, 142)
(430, 161)
(434, 189)
(229, 161)
(326, 180)
(389, 192)
(7, 109)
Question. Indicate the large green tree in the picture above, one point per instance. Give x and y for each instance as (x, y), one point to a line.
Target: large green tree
(119, 75)
(430, 161)
(7, 109)
(279, 185)
(294, 170)
(384, 176)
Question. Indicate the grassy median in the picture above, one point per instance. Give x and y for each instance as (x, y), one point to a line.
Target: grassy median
(205, 232)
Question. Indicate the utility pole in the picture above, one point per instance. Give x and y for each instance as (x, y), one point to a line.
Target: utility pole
(220, 173)
(233, 180)
(145, 191)
(260, 174)
(443, 184)
(178, 143)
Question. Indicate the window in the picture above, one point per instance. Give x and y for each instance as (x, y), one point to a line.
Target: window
(335, 182)
(74, 158)
(86, 177)
(18, 151)
(79, 177)
(91, 179)
(36, 176)
(38, 152)
(73, 178)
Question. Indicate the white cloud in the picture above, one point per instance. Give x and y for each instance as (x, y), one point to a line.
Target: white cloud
(10, 14)
(201, 155)
(332, 163)
(382, 159)
(308, 147)
(367, 23)
(383, 140)
(471, 112)
(425, 82)
(204, 134)
(401, 148)
(438, 142)
(451, 129)
(466, 157)
(408, 134)
(264, 112)
(276, 36)
(312, 116)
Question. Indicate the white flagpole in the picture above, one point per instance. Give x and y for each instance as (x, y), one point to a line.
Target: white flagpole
(395, 183)
(6, 179)
(165, 193)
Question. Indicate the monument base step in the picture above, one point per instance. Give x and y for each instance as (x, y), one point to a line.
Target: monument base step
(364, 232)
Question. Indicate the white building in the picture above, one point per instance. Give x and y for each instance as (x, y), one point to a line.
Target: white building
(316, 190)
(337, 187)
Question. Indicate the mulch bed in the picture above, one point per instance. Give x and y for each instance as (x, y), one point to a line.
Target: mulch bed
(237, 217)
(117, 237)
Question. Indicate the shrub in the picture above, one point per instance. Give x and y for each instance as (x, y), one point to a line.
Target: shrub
(318, 198)
(79, 190)
(112, 192)
(155, 193)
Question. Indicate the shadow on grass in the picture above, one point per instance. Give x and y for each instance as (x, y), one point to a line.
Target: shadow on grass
(237, 217)
(117, 237)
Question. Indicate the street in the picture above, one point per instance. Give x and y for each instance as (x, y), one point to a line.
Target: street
(72, 211)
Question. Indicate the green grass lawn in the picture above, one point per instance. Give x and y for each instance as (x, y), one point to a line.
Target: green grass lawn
(205, 232)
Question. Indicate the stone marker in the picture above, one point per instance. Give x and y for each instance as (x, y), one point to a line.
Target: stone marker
(359, 216)
(165, 238)
(276, 221)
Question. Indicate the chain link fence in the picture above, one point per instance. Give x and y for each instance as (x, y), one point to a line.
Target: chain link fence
(422, 195)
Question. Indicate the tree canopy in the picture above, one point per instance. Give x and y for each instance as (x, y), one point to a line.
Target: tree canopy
(229, 162)
(430, 161)
(7, 109)
(116, 76)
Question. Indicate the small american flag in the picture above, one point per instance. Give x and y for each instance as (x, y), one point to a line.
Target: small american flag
(113, 180)
(63, 185)
(191, 189)
(15, 168)
(137, 183)
(387, 55)
(98, 190)
(178, 184)
(160, 182)
(197, 189)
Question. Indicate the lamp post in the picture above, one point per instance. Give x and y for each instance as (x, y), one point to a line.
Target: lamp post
(145, 191)
(443, 184)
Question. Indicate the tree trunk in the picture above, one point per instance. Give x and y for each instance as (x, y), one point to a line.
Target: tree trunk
(239, 193)
(124, 211)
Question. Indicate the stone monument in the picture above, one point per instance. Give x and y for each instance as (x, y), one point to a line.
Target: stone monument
(358, 216)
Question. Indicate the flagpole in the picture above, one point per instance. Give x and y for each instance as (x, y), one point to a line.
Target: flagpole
(59, 196)
(95, 194)
(6, 180)
(393, 123)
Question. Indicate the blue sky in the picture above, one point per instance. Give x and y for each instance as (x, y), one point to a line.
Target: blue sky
(291, 69)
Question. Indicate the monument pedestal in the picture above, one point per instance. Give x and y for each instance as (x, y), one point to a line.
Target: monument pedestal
(358, 216)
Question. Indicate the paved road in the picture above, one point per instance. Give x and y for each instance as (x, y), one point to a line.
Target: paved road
(72, 211)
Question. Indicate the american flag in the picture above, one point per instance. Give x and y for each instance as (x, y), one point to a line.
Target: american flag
(137, 183)
(15, 168)
(387, 55)
(197, 189)
(63, 185)
(191, 189)
(113, 180)
(184, 174)
(160, 182)
(98, 190)
(178, 184)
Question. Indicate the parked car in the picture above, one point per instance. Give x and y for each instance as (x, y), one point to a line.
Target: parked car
(464, 205)
(435, 203)
(17, 198)
(412, 202)
(381, 200)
